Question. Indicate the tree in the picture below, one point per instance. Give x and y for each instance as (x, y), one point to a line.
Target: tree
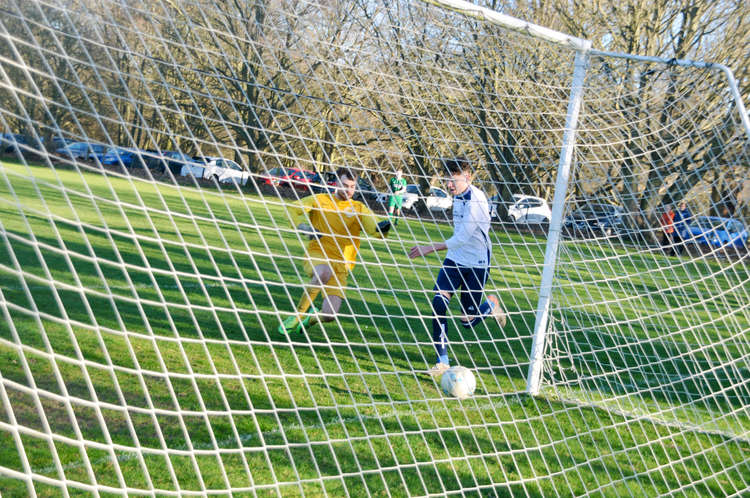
(687, 145)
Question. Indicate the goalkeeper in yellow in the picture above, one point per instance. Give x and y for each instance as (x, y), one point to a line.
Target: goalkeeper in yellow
(333, 223)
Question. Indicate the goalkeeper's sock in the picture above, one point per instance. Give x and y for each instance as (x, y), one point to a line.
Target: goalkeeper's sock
(307, 299)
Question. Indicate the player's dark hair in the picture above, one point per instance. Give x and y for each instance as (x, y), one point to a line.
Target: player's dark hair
(457, 165)
(346, 173)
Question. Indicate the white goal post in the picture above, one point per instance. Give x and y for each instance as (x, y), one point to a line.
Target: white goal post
(158, 162)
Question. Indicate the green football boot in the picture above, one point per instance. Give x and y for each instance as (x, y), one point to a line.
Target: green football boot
(292, 324)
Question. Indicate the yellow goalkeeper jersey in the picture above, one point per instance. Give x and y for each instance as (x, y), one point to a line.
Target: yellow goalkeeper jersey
(340, 222)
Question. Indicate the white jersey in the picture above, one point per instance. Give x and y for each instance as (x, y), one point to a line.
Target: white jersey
(470, 244)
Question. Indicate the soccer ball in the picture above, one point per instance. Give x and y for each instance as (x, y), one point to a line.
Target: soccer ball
(458, 382)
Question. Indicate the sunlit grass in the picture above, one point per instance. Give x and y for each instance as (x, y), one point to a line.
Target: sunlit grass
(145, 315)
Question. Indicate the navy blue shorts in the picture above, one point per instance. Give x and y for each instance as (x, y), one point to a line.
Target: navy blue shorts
(469, 280)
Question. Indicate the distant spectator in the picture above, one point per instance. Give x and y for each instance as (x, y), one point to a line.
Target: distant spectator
(396, 201)
(667, 226)
(682, 219)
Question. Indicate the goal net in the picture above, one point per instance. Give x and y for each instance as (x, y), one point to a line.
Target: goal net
(154, 157)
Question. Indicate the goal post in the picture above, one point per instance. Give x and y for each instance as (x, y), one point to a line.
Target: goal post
(556, 222)
(156, 163)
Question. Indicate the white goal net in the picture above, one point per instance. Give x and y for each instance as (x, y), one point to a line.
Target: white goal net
(155, 162)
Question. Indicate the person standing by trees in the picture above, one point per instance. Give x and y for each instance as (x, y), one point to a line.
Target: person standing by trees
(667, 226)
(682, 219)
(397, 184)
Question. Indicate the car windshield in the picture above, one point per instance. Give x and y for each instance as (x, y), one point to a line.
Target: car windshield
(412, 189)
(439, 193)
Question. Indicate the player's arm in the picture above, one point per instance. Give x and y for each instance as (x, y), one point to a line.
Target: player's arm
(425, 250)
(371, 226)
(300, 214)
(461, 235)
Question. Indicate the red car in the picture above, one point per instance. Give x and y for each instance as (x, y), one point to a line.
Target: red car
(278, 176)
(305, 180)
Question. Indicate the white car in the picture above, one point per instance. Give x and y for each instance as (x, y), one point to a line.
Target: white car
(524, 209)
(224, 171)
(193, 169)
(438, 200)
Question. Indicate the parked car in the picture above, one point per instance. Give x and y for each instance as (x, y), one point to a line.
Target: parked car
(117, 155)
(365, 190)
(9, 142)
(495, 204)
(593, 219)
(713, 231)
(81, 150)
(292, 177)
(274, 176)
(438, 200)
(522, 209)
(302, 179)
(151, 159)
(175, 160)
(329, 178)
(194, 168)
(411, 196)
(224, 171)
(57, 142)
(529, 209)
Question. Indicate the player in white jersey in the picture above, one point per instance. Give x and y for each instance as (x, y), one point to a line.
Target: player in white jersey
(466, 264)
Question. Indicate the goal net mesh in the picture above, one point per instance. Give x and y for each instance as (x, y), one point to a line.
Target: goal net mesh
(152, 153)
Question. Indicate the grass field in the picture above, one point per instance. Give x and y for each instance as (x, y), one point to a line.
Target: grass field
(141, 318)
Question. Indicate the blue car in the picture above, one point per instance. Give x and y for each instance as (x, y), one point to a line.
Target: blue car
(9, 142)
(116, 155)
(81, 150)
(713, 231)
(60, 142)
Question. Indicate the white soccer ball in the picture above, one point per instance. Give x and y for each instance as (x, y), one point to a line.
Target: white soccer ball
(458, 382)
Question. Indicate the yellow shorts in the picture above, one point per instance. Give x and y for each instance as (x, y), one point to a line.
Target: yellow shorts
(337, 282)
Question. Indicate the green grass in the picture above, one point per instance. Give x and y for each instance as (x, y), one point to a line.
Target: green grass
(158, 331)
